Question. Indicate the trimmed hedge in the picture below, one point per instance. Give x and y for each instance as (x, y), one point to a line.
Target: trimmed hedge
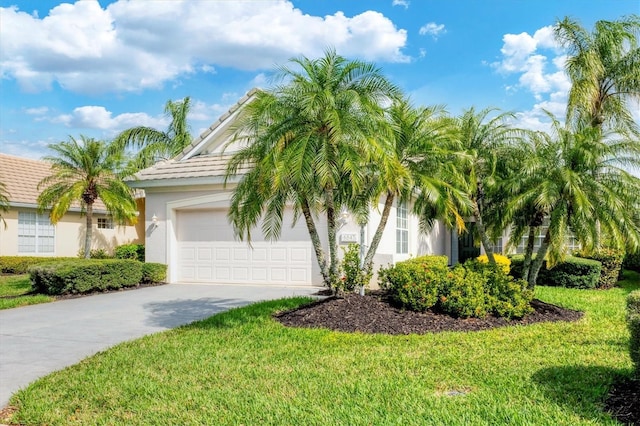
(431, 260)
(574, 272)
(633, 321)
(611, 261)
(21, 264)
(85, 275)
(470, 290)
(501, 260)
(130, 251)
(632, 262)
(154, 272)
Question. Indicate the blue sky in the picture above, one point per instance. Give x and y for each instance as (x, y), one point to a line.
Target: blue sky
(97, 67)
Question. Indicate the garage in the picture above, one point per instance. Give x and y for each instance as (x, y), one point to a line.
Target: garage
(209, 253)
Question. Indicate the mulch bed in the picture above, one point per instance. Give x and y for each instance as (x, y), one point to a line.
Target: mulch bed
(623, 401)
(374, 314)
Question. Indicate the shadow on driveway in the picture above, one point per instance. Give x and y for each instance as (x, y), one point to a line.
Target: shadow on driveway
(177, 312)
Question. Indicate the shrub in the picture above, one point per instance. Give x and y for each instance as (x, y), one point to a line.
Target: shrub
(503, 261)
(574, 272)
(462, 294)
(85, 275)
(412, 284)
(632, 261)
(611, 261)
(130, 251)
(439, 261)
(633, 322)
(21, 264)
(353, 277)
(154, 272)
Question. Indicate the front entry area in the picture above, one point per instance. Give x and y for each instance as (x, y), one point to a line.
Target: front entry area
(209, 253)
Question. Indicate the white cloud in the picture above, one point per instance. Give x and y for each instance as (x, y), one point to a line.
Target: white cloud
(403, 3)
(432, 29)
(201, 111)
(98, 117)
(37, 111)
(130, 46)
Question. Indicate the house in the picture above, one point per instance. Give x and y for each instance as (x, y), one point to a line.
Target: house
(187, 226)
(29, 233)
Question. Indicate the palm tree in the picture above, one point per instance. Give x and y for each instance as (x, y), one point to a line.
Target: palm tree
(410, 166)
(308, 143)
(4, 202)
(155, 145)
(84, 171)
(604, 68)
(481, 145)
(575, 179)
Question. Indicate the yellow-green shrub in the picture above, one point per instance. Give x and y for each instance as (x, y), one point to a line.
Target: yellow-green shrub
(503, 261)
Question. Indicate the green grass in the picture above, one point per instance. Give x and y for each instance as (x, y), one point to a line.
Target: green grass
(14, 291)
(242, 367)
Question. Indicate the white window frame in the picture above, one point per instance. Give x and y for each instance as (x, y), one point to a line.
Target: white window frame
(105, 223)
(571, 243)
(32, 225)
(402, 228)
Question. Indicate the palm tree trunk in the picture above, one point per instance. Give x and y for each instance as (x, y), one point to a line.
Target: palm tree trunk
(89, 231)
(379, 231)
(331, 231)
(528, 252)
(484, 238)
(315, 241)
(537, 262)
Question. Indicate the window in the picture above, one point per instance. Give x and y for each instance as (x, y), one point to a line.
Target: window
(105, 223)
(36, 234)
(497, 246)
(572, 243)
(402, 228)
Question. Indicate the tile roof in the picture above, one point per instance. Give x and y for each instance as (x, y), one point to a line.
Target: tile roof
(21, 177)
(201, 166)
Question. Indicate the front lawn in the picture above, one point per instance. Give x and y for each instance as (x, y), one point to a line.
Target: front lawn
(243, 367)
(14, 292)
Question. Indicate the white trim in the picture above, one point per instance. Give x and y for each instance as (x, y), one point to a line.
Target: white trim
(171, 222)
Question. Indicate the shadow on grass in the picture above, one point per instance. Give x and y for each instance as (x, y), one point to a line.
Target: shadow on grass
(581, 389)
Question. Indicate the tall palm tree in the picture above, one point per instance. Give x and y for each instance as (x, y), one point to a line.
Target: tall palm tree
(4, 202)
(84, 171)
(575, 178)
(604, 68)
(308, 144)
(410, 166)
(481, 142)
(155, 145)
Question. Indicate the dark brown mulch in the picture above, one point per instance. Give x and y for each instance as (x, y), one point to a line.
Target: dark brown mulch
(623, 401)
(374, 314)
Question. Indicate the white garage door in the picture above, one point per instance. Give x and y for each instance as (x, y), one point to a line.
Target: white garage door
(208, 252)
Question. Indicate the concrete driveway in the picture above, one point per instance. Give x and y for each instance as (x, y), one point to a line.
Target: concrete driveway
(37, 340)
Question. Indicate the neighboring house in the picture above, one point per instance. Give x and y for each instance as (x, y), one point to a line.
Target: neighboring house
(188, 229)
(29, 233)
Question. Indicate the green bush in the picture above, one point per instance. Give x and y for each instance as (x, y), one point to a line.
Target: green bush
(353, 277)
(462, 294)
(470, 290)
(633, 321)
(412, 284)
(85, 275)
(574, 272)
(632, 261)
(21, 264)
(433, 260)
(130, 251)
(154, 272)
(611, 261)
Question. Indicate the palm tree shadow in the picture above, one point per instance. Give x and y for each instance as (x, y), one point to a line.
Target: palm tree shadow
(582, 389)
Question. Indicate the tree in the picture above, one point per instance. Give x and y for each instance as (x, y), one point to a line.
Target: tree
(575, 179)
(84, 171)
(481, 141)
(410, 167)
(4, 202)
(604, 68)
(308, 144)
(154, 145)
